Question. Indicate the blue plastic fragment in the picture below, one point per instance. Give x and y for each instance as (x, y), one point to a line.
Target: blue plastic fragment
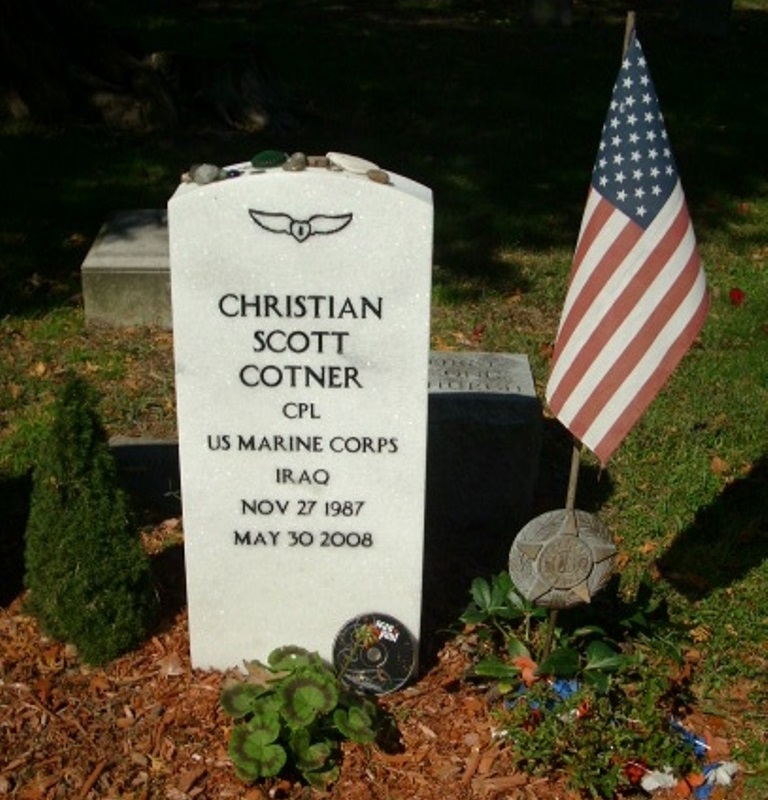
(565, 687)
(697, 744)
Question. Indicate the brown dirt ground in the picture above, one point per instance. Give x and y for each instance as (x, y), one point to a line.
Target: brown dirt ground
(148, 726)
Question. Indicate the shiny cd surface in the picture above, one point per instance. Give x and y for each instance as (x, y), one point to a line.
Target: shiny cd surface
(374, 654)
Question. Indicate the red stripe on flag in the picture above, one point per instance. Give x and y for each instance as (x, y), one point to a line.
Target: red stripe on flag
(653, 385)
(620, 309)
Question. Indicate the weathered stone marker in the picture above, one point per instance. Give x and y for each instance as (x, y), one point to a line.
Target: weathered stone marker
(125, 274)
(301, 329)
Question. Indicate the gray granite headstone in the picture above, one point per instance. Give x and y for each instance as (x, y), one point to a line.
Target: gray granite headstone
(148, 469)
(125, 276)
(484, 440)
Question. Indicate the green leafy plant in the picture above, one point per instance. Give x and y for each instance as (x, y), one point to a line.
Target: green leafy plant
(88, 575)
(292, 714)
(497, 609)
(597, 704)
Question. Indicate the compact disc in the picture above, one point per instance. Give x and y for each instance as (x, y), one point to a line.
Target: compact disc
(374, 654)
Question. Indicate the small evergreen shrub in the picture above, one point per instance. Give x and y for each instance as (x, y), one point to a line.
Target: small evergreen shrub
(87, 573)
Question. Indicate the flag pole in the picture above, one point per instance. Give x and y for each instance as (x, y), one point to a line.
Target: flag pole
(573, 477)
(569, 527)
(629, 27)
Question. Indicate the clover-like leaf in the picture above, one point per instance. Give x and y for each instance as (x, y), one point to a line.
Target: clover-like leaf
(497, 598)
(289, 658)
(493, 667)
(473, 616)
(322, 779)
(264, 727)
(310, 756)
(599, 682)
(253, 757)
(356, 724)
(306, 695)
(240, 699)
(517, 648)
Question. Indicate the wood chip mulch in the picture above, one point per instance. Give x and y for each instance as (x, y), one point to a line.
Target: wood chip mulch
(148, 726)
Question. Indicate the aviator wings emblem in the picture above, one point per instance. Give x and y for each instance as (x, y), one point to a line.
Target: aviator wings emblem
(300, 229)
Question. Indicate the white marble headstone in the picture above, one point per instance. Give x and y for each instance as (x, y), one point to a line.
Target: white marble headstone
(301, 329)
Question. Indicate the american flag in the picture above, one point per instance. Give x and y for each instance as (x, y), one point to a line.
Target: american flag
(637, 297)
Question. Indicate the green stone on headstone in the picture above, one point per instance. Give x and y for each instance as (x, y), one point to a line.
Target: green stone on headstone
(269, 158)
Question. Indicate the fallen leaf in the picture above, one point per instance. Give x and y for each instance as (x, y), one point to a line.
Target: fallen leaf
(719, 466)
(462, 339)
(700, 634)
(736, 296)
(170, 665)
(189, 778)
(255, 793)
(99, 683)
(527, 667)
(621, 561)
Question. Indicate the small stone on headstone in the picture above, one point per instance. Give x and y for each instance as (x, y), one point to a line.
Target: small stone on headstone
(351, 163)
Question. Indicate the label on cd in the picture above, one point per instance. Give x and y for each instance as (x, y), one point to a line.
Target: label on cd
(374, 654)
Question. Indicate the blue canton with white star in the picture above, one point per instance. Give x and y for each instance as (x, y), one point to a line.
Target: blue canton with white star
(634, 169)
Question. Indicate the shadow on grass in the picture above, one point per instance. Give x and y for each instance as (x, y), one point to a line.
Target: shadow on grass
(500, 119)
(594, 486)
(727, 539)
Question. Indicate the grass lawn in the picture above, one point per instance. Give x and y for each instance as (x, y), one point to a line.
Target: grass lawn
(502, 122)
